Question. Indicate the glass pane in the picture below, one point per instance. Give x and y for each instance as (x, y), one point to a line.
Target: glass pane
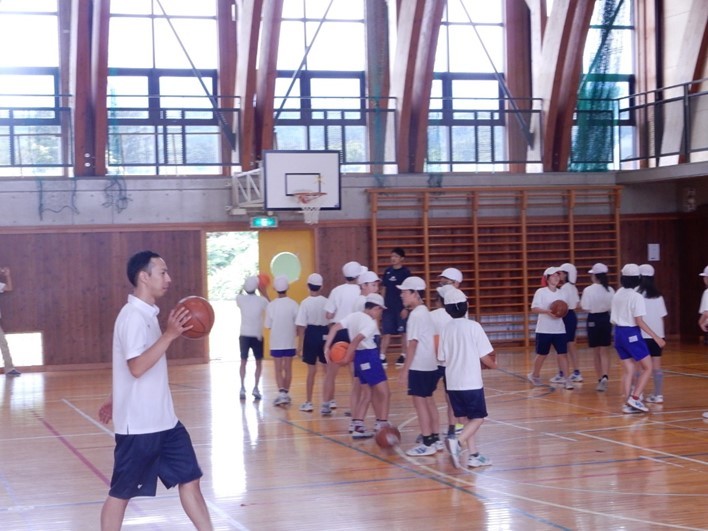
(35, 35)
(198, 38)
(338, 46)
(131, 145)
(130, 43)
(438, 145)
(487, 11)
(24, 5)
(291, 137)
(338, 93)
(27, 91)
(616, 55)
(181, 87)
(341, 9)
(131, 7)
(355, 147)
(467, 54)
(128, 91)
(475, 94)
(292, 102)
(292, 47)
(38, 145)
(187, 8)
(293, 9)
(441, 57)
(436, 92)
(623, 16)
(203, 145)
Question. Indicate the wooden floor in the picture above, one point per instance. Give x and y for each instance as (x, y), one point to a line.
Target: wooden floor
(562, 459)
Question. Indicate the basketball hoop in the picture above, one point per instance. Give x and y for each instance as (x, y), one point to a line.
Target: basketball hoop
(310, 205)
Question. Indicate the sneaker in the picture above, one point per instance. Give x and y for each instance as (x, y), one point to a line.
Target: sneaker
(655, 399)
(558, 378)
(242, 394)
(326, 409)
(453, 447)
(13, 372)
(287, 398)
(459, 428)
(533, 379)
(352, 426)
(380, 424)
(419, 439)
(568, 384)
(400, 361)
(362, 433)
(256, 393)
(332, 404)
(307, 407)
(439, 445)
(478, 460)
(281, 400)
(637, 404)
(629, 409)
(601, 385)
(576, 377)
(421, 450)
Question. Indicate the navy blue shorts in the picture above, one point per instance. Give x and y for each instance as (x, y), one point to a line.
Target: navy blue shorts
(423, 383)
(545, 341)
(247, 343)
(368, 367)
(392, 322)
(141, 459)
(599, 330)
(283, 352)
(629, 343)
(654, 349)
(468, 403)
(341, 335)
(571, 325)
(313, 344)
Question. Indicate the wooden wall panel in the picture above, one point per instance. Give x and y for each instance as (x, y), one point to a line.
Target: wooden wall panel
(335, 246)
(70, 286)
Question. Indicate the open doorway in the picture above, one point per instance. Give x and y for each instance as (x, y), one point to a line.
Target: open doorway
(231, 257)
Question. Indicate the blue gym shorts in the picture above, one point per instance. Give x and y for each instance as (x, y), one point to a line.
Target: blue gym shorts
(599, 330)
(571, 325)
(629, 343)
(313, 344)
(253, 343)
(545, 341)
(655, 350)
(141, 459)
(392, 322)
(283, 352)
(423, 383)
(468, 403)
(368, 367)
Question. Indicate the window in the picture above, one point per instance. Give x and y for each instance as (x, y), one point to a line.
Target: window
(164, 115)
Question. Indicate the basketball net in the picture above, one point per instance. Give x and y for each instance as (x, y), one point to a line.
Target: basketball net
(310, 205)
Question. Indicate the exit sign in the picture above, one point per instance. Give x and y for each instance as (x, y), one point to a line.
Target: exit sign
(264, 222)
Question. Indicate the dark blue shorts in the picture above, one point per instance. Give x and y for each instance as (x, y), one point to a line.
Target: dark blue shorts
(283, 352)
(368, 367)
(629, 343)
(423, 383)
(247, 343)
(469, 404)
(313, 344)
(341, 335)
(599, 330)
(654, 349)
(545, 341)
(392, 322)
(571, 325)
(141, 459)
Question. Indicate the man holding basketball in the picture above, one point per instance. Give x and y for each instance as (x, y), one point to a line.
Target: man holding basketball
(151, 442)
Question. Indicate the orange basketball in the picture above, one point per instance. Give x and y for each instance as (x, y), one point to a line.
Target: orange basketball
(201, 316)
(388, 437)
(559, 308)
(338, 351)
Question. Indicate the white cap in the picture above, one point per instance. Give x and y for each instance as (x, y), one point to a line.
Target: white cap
(630, 270)
(453, 274)
(315, 279)
(368, 276)
(413, 283)
(454, 296)
(572, 272)
(551, 271)
(280, 283)
(598, 268)
(377, 299)
(444, 290)
(705, 273)
(353, 269)
(646, 270)
(250, 284)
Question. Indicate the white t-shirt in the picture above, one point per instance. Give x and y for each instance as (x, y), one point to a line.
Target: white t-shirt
(252, 308)
(570, 292)
(359, 303)
(341, 301)
(626, 305)
(144, 404)
(656, 311)
(597, 299)
(360, 323)
(546, 324)
(280, 319)
(462, 343)
(420, 328)
(704, 302)
(312, 312)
